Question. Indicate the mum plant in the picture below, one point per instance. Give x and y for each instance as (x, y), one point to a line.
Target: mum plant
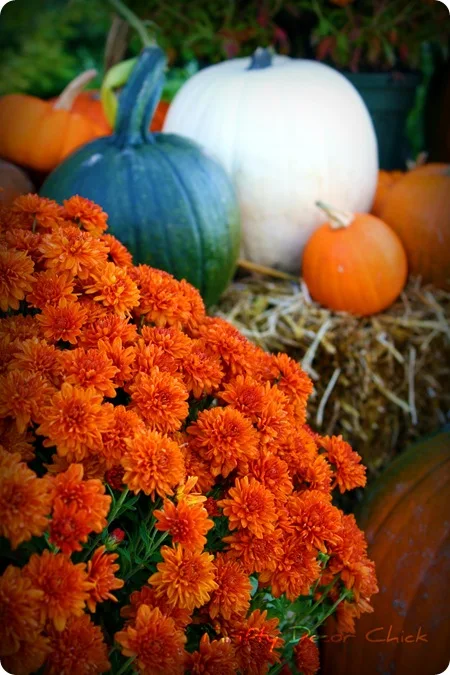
(165, 508)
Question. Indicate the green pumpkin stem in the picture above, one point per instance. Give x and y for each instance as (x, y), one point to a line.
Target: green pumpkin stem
(338, 219)
(140, 96)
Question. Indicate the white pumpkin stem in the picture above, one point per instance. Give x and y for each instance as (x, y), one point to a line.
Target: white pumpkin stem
(338, 219)
(68, 95)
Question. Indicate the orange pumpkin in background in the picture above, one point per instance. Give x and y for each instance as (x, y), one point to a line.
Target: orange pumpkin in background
(405, 519)
(418, 210)
(354, 263)
(88, 103)
(386, 179)
(13, 183)
(40, 134)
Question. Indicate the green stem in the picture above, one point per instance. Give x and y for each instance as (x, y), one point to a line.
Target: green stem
(114, 513)
(134, 21)
(126, 665)
(342, 597)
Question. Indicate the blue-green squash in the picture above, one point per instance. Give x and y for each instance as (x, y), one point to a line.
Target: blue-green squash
(171, 204)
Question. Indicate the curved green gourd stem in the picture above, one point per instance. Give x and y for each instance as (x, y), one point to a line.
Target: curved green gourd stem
(261, 58)
(140, 97)
(116, 77)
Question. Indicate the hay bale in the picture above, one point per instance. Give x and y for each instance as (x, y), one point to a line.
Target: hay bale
(380, 381)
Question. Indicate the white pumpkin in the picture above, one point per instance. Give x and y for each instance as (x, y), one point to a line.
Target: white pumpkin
(289, 132)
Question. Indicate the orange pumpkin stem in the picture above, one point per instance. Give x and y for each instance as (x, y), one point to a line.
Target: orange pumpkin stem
(338, 219)
(68, 95)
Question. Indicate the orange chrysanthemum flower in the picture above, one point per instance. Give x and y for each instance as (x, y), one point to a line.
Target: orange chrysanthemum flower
(186, 523)
(25, 500)
(148, 596)
(22, 396)
(250, 506)
(114, 288)
(78, 648)
(62, 322)
(89, 368)
(256, 641)
(69, 528)
(123, 426)
(153, 464)
(223, 436)
(185, 492)
(306, 656)
(155, 641)
(70, 249)
(64, 586)
(19, 608)
(108, 328)
(295, 383)
(349, 559)
(296, 570)
(350, 473)
(202, 372)
(7, 349)
(306, 466)
(225, 340)
(122, 358)
(185, 577)
(246, 395)
(80, 507)
(74, 421)
(38, 357)
(255, 554)
(85, 214)
(272, 472)
(162, 301)
(160, 399)
(93, 466)
(25, 240)
(101, 569)
(48, 288)
(16, 269)
(118, 253)
(149, 356)
(212, 658)
(35, 211)
(196, 466)
(29, 657)
(172, 341)
(197, 310)
(19, 327)
(315, 520)
(14, 441)
(232, 596)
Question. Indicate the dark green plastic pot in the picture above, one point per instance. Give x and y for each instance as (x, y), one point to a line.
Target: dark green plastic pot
(389, 98)
(170, 203)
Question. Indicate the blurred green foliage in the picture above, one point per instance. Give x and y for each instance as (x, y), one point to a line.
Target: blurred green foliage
(45, 43)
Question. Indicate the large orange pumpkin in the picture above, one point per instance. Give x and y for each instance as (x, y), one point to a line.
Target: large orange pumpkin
(386, 179)
(418, 209)
(40, 134)
(13, 183)
(405, 516)
(354, 263)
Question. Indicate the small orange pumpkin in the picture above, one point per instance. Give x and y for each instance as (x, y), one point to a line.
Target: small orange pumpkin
(354, 263)
(40, 134)
(418, 210)
(13, 183)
